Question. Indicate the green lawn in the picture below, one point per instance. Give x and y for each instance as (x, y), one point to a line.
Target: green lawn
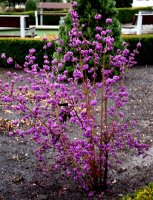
(39, 32)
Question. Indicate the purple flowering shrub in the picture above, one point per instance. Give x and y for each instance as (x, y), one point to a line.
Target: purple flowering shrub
(51, 103)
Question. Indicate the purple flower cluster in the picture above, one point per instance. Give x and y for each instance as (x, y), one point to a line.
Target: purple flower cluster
(98, 16)
(108, 21)
(51, 103)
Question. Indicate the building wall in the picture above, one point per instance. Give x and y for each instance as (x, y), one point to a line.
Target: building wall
(142, 3)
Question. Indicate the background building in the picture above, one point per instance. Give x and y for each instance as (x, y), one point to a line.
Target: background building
(139, 3)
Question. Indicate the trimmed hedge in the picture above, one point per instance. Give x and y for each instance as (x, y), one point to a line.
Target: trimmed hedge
(123, 3)
(125, 15)
(19, 48)
(145, 193)
(145, 57)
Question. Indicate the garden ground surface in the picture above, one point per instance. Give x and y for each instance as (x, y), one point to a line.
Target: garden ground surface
(23, 178)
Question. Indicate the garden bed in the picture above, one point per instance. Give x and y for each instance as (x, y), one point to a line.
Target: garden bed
(22, 177)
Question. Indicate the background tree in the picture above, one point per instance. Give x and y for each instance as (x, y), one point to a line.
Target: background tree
(52, 1)
(87, 9)
(10, 3)
(31, 5)
(123, 3)
(3, 5)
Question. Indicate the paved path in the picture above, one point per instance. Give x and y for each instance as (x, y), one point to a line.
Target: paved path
(131, 29)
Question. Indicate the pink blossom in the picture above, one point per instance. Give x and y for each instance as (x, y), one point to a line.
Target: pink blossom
(108, 20)
(98, 16)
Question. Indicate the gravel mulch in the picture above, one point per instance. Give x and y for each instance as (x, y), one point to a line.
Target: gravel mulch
(23, 178)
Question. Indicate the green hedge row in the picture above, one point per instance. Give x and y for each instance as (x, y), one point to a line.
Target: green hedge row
(19, 48)
(125, 15)
(145, 57)
(145, 193)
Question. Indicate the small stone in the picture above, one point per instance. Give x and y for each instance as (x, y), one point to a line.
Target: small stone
(1, 189)
(42, 197)
(114, 181)
(16, 179)
(121, 170)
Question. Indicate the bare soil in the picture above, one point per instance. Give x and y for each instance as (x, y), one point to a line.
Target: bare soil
(23, 178)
